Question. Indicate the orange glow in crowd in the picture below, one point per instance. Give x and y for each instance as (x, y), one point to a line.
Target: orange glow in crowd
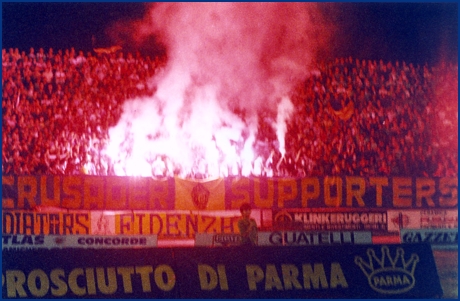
(228, 63)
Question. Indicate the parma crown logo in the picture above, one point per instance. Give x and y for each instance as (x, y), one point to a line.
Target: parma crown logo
(386, 274)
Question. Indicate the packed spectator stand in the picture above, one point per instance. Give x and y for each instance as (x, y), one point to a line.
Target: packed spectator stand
(352, 116)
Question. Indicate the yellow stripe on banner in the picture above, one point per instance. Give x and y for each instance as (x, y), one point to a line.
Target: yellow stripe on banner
(191, 195)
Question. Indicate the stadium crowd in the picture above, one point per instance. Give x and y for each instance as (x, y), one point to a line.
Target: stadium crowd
(352, 116)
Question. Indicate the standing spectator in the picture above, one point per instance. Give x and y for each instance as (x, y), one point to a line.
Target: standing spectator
(247, 226)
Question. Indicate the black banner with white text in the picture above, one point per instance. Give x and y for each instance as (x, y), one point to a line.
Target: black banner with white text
(345, 271)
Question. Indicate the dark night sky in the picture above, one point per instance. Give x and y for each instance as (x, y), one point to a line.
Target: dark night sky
(414, 32)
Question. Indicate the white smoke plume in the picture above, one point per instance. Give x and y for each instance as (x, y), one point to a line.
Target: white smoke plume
(285, 109)
(227, 62)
